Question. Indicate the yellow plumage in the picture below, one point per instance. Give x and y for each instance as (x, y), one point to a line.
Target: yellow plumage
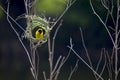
(39, 34)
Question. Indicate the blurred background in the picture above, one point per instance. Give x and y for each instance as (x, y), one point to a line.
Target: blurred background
(14, 64)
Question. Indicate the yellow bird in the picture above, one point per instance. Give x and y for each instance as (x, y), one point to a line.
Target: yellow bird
(39, 33)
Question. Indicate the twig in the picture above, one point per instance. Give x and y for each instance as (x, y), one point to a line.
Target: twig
(116, 41)
(100, 59)
(54, 71)
(17, 33)
(51, 51)
(64, 59)
(62, 62)
(56, 65)
(86, 51)
(103, 68)
(59, 67)
(73, 70)
(102, 23)
(7, 13)
(35, 67)
(44, 76)
(71, 48)
(53, 40)
(85, 62)
(32, 58)
(109, 66)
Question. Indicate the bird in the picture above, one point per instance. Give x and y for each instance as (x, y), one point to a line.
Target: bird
(39, 34)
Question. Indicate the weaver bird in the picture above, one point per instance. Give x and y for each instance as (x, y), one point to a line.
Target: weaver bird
(39, 34)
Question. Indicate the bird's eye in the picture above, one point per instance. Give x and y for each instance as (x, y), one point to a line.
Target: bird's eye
(40, 31)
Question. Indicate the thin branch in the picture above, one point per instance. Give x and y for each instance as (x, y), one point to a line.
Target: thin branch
(85, 62)
(71, 48)
(102, 23)
(104, 4)
(33, 50)
(32, 71)
(53, 40)
(103, 68)
(86, 51)
(26, 9)
(109, 66)
(52, 45)
(17, 33)
(73, 70)
(33, 58)
(64, 59)
(59, 68)
(116, 41)
(111, 28)
(118, 71)
(100, 59)
(37, 65)
(45, 78)
(6, 12)
(56, 65)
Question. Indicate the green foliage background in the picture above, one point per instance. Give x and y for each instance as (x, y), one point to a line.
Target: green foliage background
(50, 6)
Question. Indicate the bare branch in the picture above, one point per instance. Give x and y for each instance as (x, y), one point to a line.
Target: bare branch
(73, 70)
(7, 12)
(62, 62)
(32, 71)
(100, 59)
(86, 51)
(59, 68)
(8, 16)
(56, 65)
(111, 28)
(103, 68)
(105, 4)
(102, 23)
(32, 58)
(53, 40)
(71, 48)
(45, 78)
(51, 51)
(118, 70)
